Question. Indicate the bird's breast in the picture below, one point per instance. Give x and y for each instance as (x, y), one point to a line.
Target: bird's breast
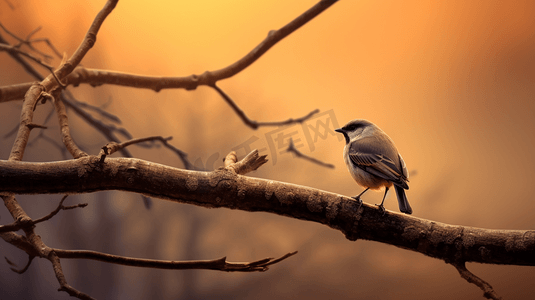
(362, 177)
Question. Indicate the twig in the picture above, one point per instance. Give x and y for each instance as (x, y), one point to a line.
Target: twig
(292, 149)
(20, 271)
(107, 130)
(60, 207)
(26, 117)
(88, 41)
(64, 286)
(249, 163)
(64, 127)
(254, 124)
(488, 291)
(113, 147)
(30, 43)
(107, 115)
(220, 264)
(12, 49)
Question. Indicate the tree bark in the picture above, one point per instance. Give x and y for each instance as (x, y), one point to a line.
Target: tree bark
(225, 188)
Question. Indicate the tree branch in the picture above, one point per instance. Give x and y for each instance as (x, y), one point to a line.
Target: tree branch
(220, 264)
(254, 124)
(488, 291)
(226, 188)
(66, 137)
(12, 49)
(191, 82)
(293, 149)
(248, 164)
(88, 41)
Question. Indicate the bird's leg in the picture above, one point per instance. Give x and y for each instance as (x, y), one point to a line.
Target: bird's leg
(357, 198)
(381, 206)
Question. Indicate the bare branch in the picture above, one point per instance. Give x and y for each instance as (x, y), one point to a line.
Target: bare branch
(26, 117)
(107, 130)
(113, 147)
(292, 149)
(14, 91)
(254, 124)
(488, 291)
(60, 207)
(30, 43)
(209, 78)
(64, 286)
(12, 49)
(20, 271)
(249, 163)
(230, 159)
(217, 264)
(64, 127)
(105, 114)
(225, 188)
(88, 41)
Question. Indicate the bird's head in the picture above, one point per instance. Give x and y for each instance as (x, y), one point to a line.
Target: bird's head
(355, 128)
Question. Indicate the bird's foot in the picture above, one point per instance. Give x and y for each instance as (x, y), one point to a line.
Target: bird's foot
(382, 208)
(357, 198)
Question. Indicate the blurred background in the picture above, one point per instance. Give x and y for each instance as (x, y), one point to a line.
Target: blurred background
(451, 82)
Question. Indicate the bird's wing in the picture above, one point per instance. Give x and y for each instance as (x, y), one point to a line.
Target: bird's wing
(368, 154)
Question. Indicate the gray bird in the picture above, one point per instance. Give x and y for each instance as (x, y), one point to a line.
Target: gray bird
(374, 162)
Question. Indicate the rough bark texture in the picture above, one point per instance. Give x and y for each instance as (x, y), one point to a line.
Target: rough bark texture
(225, 188)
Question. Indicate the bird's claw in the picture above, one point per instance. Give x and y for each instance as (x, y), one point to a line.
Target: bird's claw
(357, 198)
(382, 208)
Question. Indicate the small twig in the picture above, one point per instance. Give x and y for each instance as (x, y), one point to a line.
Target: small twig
(249, 163)
(220, 264)
(113, 147)
(64, 126)
(488, 291)
(230, 159)
(60, 207)
(107, 115)
(20, 271)
(88, 41)
(12, 49)
(64, 286)
(254, 124)
(292, 149)
(30, 43)
(107, 130)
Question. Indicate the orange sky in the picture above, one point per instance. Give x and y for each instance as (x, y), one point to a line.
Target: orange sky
(451, 82)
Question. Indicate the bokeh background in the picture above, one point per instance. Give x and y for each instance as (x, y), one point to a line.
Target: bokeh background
(452, 82)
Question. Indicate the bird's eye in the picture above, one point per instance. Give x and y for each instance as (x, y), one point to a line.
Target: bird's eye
(351, 127)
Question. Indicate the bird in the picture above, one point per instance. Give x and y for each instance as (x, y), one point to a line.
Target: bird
(374, 161)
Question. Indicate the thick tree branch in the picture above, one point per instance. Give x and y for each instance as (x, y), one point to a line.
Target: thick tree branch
(226, 188)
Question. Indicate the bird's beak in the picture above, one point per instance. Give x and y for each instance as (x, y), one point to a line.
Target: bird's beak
(339, 130)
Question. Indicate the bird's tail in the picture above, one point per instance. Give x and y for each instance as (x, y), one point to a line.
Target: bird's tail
(402, 200)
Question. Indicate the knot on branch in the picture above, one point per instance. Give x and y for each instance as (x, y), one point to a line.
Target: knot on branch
(249, 163)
